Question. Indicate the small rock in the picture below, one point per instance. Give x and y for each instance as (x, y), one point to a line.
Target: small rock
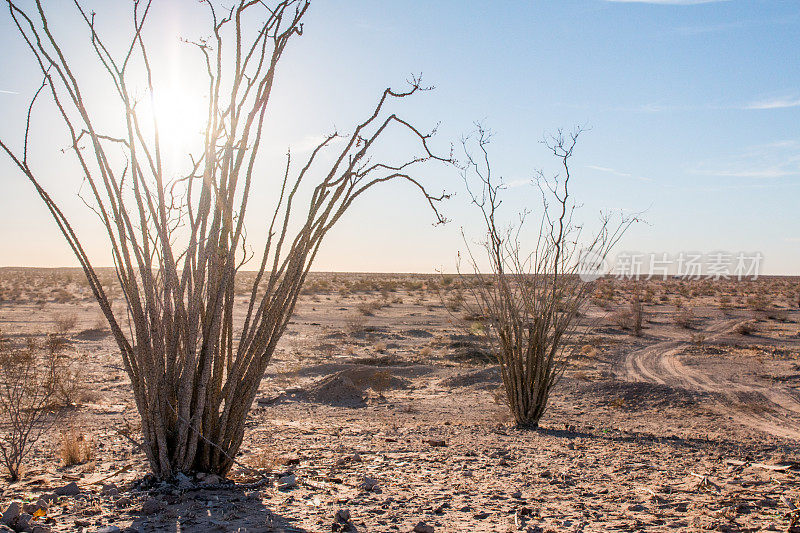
(435, 443)
(355, 458)
(481, 515)
(109, 489)
(152, 506)
(211, 479)
(517, 495)
(70, 489)
(23, 522)
(368, 484)
(184, 483)
(636, 507)
(342, 516)
(287, 482)
(40, 529)
(12, 513)
(109, 529)
(422, 527)
(123, 502)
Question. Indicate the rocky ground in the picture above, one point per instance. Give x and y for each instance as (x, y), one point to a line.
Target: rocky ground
(381, 412)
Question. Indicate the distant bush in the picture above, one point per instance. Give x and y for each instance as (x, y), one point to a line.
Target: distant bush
(684, 317)
(28, 385)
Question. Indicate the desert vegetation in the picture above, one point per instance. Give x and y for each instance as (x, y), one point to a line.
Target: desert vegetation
(350, 396)
(213, 380)
(194, 372)
(530, 299)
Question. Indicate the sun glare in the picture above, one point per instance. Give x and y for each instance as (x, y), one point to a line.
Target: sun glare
(181, 115)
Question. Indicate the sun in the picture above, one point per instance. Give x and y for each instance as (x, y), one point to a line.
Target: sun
(181, 115)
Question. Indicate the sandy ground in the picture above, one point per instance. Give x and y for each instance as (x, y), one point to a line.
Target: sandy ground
(388, 415)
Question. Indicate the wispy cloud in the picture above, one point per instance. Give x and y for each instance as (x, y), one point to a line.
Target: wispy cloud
(667, 2)
(615, 172)
(8, 92)
(517, 183)
(765, 161)
(774, 103)
(702, 29)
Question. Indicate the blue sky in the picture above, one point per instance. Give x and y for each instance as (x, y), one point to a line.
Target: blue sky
(693, 109)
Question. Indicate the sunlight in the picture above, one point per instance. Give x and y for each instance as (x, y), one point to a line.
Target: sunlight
(181, 114)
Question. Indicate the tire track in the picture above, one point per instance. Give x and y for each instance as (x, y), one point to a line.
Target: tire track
(660, 363)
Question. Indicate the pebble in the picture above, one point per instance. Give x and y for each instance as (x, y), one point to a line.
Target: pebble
(184, 483)
(368, 484)
(151, 506)
(70, 489)
(12, 513)
(23, 522)
(210, 479)
(343, 516)
(123, 502)
(422, 527)
(287, 482)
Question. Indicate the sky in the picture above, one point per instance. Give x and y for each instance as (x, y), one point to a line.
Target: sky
(692, 111)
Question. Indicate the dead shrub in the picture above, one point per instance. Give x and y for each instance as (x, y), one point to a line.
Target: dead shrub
(369, 308)
(684, 317)
(55, 343)
(745, 328)
(779, 315)
(66, 323)
(532, 298)
(758, 302)
(638, 316)
(28, 383)
(699, 340)
(76, 448)
(623, 319)
(70, 388)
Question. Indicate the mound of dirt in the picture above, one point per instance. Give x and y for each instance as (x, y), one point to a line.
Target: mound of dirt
(93, 334)
(348, 387)
(469, 349)
(637, 395)
(485, 378)
(337, 390)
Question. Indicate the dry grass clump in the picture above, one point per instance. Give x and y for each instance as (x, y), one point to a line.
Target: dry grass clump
(369, 308)
(61, 295)
(630, 319)
(758, 302)
(316, 287)
(455, 302)
(684, 317)
(745, 328)
(76, 447)
(65, 322)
